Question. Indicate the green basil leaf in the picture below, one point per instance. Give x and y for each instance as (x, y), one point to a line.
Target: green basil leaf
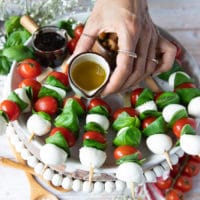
(44, 115)
(130, 158)
(51, 80)
(176, 67)
(156, 127)
(68, 26)
(4, 115)
(74, 105)
(12, 24)
(178, 115)
(92, 126)
(150, 113)
(99, 110)
(94, 144)
(15, 98)
(29, 92)
(187, 129)
(59, 140)
(180, 79)
(167, 98)
(4, 65)
(145, 96)
(128, 136)
(187, 94)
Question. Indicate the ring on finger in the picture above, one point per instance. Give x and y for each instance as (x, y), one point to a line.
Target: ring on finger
(153, 60)
(88, 35)
(129, 53)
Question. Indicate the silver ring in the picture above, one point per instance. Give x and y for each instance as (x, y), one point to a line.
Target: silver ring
(88, 35)
(130, 53)
(153, 60)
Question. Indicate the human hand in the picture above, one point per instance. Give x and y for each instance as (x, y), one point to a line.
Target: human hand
(130, 20)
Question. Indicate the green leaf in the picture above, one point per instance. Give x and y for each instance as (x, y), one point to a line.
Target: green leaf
(92, 126)
(94, 144)
(12, 24)
(181, 78)
(128, 136)
(167, 98)
(99, 110)
(44, 115)
(156, 127)
(68, 26)
(75, 106)
(15, 98)
(59, 140)
(51, 80)
(29, 92)
(176, 67)
(150, 113)
(187, 129)
(4, 65)
(130, 158)
(178, 115)
(4, 115)
(145, 96)
(124, 120)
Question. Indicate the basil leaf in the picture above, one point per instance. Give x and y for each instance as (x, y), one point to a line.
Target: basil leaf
(150, 113)
(29, 92)
(187, 129)
(92, 126)
(146, 95)
(187, 94)
(74, 105)
(124, 120)
(94, 144)
(178, 115)
(130, 158)
(4, 115)
(156, 127)
(44, 115)
(167, 98)
(68, 26)
(51, 80)
(12, 24)
(176, 67)
(181, 78)
(59, 140)
(128, 136)
(15, 98)
(4, 65)
(99, 110)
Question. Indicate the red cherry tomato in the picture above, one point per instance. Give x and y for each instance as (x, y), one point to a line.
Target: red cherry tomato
(164, 184)
(29, 68)
(11, 109)
(46, 104)
(185, 85)
(179, 124)
(78, 30)
(157, 95)
(175, 170)
(174, 194)
(135, 94)
(183, 183)
(79, 100)
(125, 150)
(99, 102)
(71, 45)
(146, 122)
(195, 159)
(35, 85)
(131, 111)
(191, 168)
(68, 135)
(62, 77)
(94, 135)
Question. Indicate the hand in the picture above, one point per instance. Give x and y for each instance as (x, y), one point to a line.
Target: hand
(130, 20)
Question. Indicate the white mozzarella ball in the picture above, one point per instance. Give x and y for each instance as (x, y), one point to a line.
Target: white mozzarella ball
(38, 125)
(99, 119)
(171, 80)
(190, 144)
(170, 110)
(149, 105)
(21, 92)
(90, 156)
(130, 172)
(50, 154)
(159, 143)
(194, 107)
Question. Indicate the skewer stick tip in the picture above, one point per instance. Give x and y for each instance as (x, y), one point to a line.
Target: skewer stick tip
(132, 187)
(31, 137)
(166, 155)
(91, 173)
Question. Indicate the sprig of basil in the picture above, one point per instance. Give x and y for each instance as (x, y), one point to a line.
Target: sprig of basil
(94, 144)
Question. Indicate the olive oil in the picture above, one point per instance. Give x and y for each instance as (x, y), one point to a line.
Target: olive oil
(88, 75)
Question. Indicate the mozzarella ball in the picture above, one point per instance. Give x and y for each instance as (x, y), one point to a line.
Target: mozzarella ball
(91, 156)
(38, 125)
(149, 105)
(194, 107)
(190, 144)
(50, 154)
(170, 110)
(159, 143)
(130, 172)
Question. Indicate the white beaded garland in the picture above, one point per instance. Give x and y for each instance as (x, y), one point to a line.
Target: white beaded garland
(150, 176)
(48, 174)
(120, 185)
(165, 165)
(67, 183)
(158, 170)
(109, 186)
(39, 168)
(174, 159)
(87, 186)
(19, 147)
(57, 179)
(32, 161)
(98, 187)
(77, 185)
(25, 154)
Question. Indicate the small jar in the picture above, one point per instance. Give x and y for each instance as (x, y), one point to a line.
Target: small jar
(49, 45)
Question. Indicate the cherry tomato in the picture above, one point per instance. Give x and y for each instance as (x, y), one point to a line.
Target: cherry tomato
(191, 168)
(68, 135)
(29, 68)
(157, 95)
(79, 100)
(174, 194)
(78, 30)
(175, 170)
(146, 122)
(179, 124)
(99, 102)
(35, 85)
(183, 183)
(135, 94)
(63, 78)
(11, 109)
(71, 45)
(131, 111)
(185, 85)
(164, 184)
(125, 150)
(46, 104)
(195, 159)
(94, 135)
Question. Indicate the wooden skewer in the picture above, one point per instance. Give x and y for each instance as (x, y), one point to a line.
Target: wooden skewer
(132, 187)
(166, 155)
(91, 173)
(31, 137)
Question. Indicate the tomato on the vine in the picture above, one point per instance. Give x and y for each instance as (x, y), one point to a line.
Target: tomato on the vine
(11, 109)
(146, 122)
(174, 194)
(131, 111)
(183, 183)
(71, 45)
(62, 77)
(29, 68)
(175, 170)
(78, 30)
(94, 135)
(135, 94)
(195, 159)
(164, 184)
(191, 168)
(99, 102)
